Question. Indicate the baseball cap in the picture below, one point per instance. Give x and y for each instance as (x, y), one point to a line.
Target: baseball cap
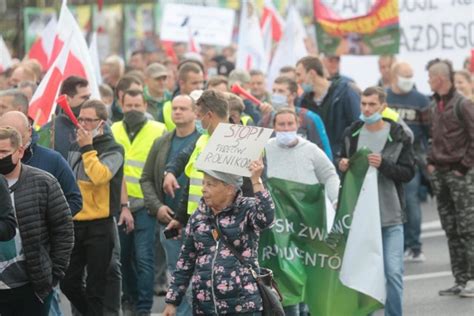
(156, 70)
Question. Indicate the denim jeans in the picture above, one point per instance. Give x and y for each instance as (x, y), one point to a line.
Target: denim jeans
(392, 239)
(138, 261)
(412, 227)
(172, 249)
(161, 274)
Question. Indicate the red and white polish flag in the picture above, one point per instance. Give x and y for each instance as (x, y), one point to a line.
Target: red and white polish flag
(43, 102)
(66, 60)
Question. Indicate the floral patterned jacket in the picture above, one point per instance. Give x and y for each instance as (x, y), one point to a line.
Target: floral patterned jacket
(220, 284)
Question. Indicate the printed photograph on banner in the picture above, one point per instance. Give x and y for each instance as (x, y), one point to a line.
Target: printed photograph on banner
(232, 147)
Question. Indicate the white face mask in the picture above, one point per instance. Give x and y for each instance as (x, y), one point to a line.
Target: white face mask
(286, 138)
(96, 131)
(405, 84)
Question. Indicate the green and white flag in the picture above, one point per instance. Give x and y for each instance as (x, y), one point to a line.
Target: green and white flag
(337, 273)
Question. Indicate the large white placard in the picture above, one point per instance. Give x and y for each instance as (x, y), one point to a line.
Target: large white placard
(429, 29)
(209, 25)
(232, 147)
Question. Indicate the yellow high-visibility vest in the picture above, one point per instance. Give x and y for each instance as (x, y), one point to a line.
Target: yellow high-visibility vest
(195, 176)
(245, 119)
(167, 116)
(136, 152)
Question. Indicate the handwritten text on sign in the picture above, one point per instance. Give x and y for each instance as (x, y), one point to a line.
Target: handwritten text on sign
(231, 148)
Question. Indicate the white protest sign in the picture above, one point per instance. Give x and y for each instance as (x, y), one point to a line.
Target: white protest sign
(232, 147)
(209, 25)
(428, 29)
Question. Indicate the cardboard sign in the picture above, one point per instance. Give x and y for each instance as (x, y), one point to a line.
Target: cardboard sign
(209, 25)
(232, 148)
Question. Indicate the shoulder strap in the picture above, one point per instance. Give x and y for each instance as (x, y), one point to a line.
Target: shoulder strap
(228, 244)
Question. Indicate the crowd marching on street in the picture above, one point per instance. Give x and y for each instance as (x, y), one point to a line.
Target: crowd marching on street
(105, 203)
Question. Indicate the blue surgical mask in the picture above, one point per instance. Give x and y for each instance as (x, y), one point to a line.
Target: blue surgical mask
(200, 128)
(374, 118)
(286, 138)
(278, 101)
(307, 87)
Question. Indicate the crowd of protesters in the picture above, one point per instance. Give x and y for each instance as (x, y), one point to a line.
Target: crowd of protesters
(114, 211)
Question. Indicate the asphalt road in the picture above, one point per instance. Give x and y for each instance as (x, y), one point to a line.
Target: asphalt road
(422, 280)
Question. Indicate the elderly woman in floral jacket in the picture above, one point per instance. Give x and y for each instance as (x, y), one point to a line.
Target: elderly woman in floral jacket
(220, 283)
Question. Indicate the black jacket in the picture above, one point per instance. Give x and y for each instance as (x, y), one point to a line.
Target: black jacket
(45, 225)
(7, 217)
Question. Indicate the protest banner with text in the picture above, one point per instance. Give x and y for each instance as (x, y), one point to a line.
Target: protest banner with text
(232, 147)
(307, 260)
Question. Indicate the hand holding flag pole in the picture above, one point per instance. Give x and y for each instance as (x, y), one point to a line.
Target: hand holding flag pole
(62, 101)
(237, 89)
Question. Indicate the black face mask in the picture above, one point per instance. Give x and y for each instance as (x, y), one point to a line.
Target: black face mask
(7, 165)
(76, 110)
(134, 118)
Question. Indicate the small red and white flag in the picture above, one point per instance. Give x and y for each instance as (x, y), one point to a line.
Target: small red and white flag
(43, 102)
(272, 17)
(5, 57)
(43, 46)
(251, 52)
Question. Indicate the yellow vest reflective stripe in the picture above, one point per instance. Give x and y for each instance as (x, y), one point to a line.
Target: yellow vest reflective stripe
(245, 119)
(390, 114)
(136, 152)
(167, 116)
(195, 177)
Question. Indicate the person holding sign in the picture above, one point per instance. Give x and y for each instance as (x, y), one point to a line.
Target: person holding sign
(221, 284)
(392, 155)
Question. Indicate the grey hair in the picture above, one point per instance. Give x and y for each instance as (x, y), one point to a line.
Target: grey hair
(20, 101)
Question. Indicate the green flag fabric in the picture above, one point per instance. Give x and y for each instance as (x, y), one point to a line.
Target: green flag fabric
(304, 257)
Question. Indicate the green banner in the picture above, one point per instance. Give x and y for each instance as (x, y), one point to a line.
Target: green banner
(305, 267)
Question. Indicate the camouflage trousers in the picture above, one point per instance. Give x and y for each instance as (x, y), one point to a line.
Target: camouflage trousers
(455, 199)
